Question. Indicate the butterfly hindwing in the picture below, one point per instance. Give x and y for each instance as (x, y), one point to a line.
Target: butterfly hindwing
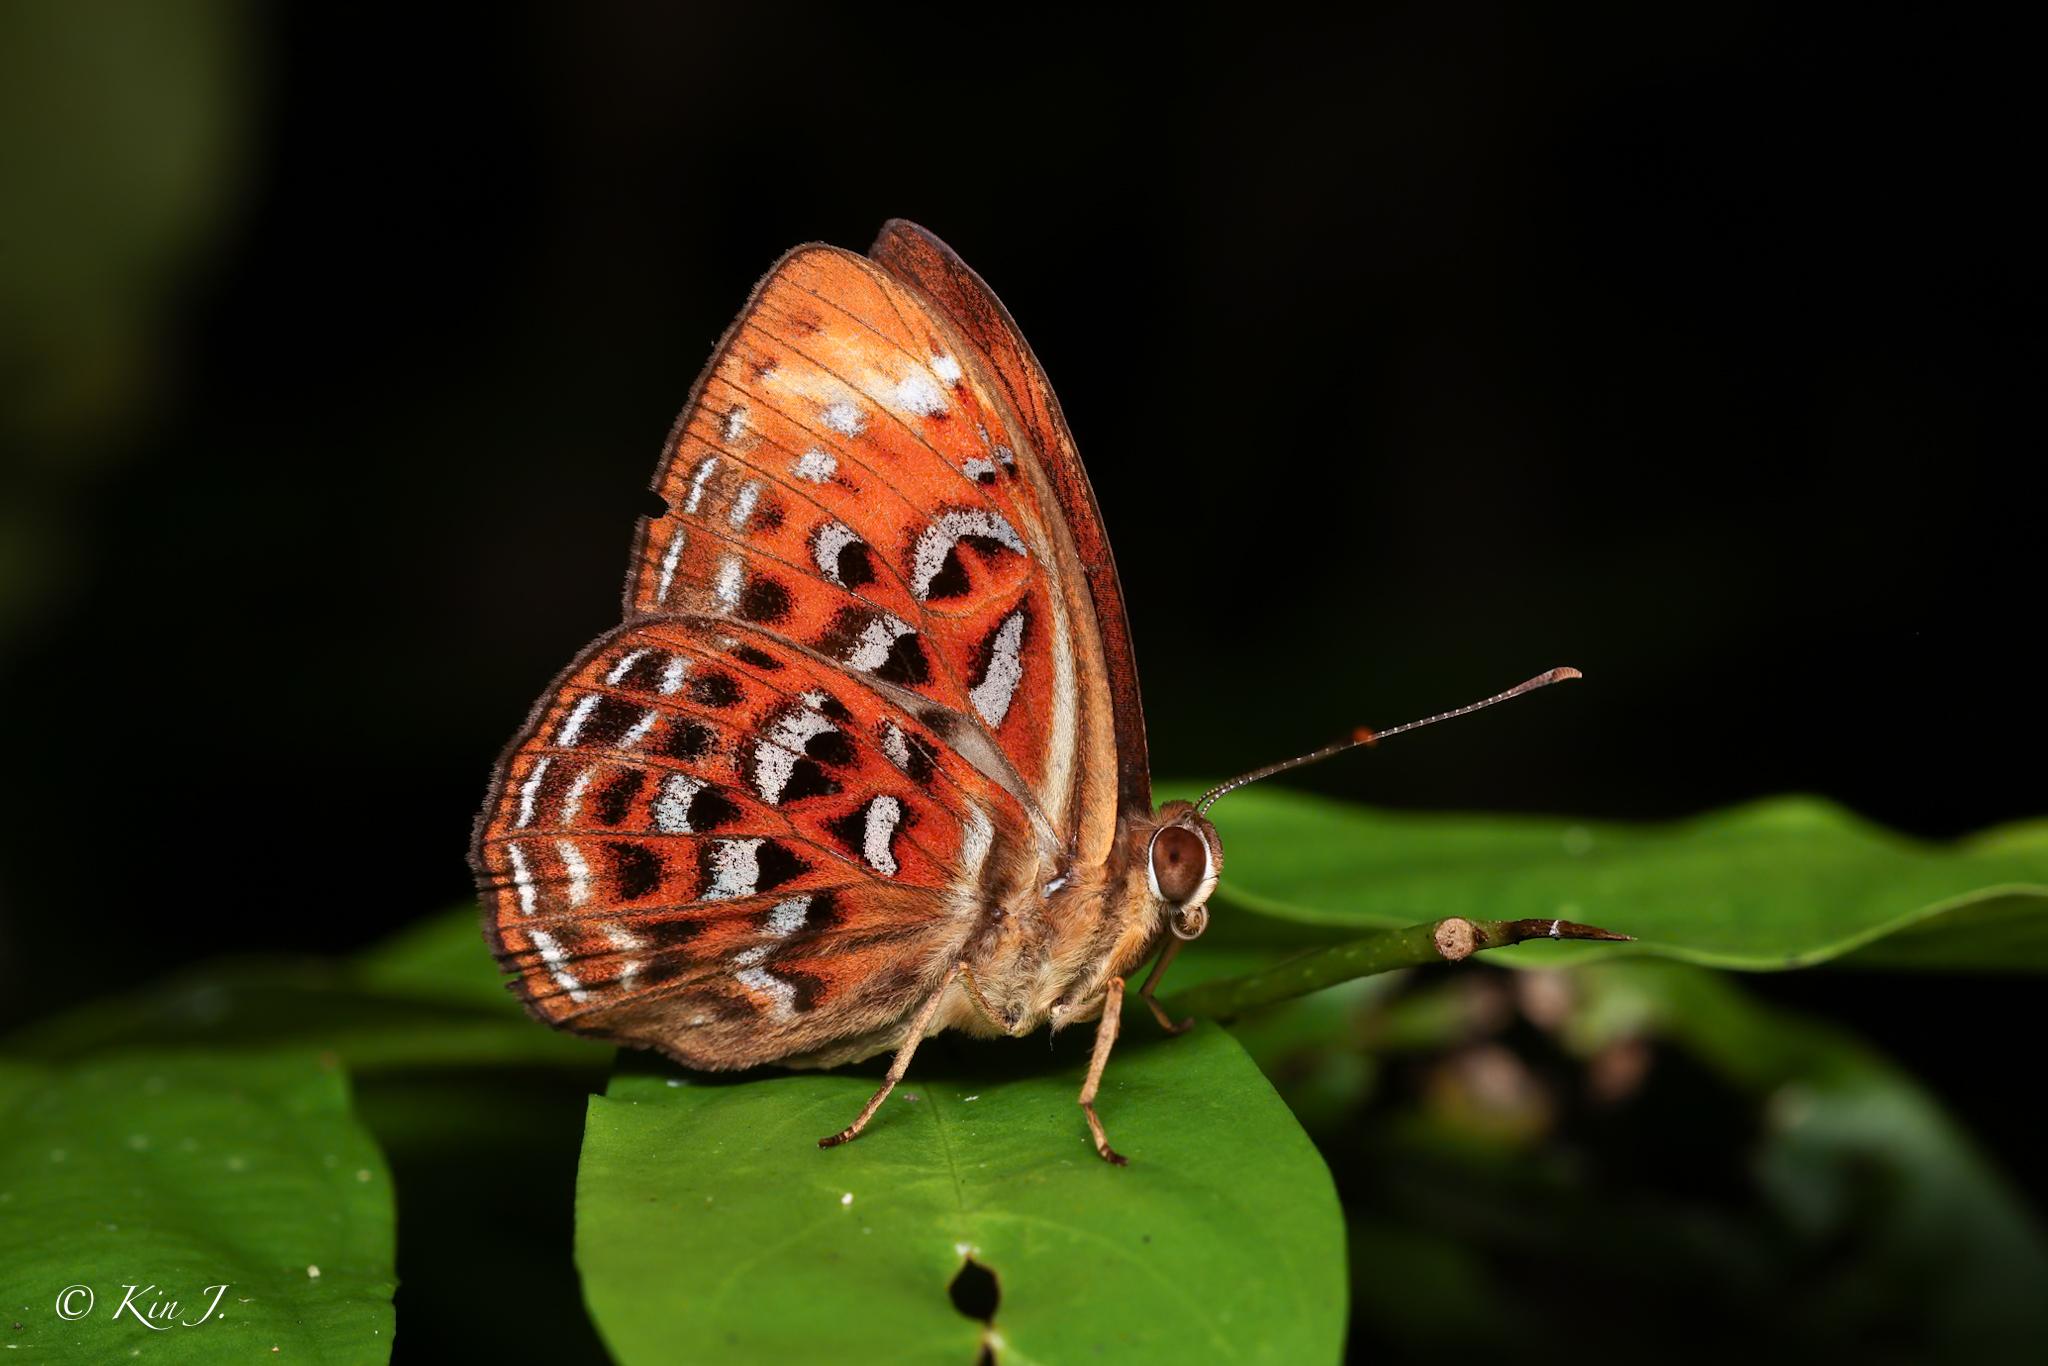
(716, 843)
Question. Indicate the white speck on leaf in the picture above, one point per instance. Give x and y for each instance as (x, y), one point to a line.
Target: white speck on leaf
(846, 1199)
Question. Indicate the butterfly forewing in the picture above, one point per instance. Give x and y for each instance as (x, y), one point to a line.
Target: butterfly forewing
(711, 841)
(848, 479)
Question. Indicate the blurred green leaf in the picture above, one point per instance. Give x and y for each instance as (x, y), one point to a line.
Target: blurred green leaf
(1784, 883)
(1851, 1145)
(429, 997)
(122, 130)
(1627, 1146)
(711, 1226)
(186, 1172)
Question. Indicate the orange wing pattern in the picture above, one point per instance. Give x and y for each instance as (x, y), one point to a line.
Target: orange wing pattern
(921, 260)
(848, 478)
(713, 841)
(859, 710)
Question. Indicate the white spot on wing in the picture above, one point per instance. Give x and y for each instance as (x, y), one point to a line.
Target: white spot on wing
(743, 506)
(669, 559)
(522, 877)
(831, 539)
(573, 726)
(624, 666)
(672, 674)
(816, 465)
(734, 424)
(735, 869)
(557, 961)
(788, 916)
(579, 871)
(528, 790)
(917, 394)
(842, 415)
(991, 696)
(731, 575)
(946, 368)
(672, 807)
(572, 800)
(639, 729)
(625, 943)
(877, 638)
(883, 816)
(781, 994)
(896, 745)
(775, 757)
(979, 470)
(697, 482)
(945, 532)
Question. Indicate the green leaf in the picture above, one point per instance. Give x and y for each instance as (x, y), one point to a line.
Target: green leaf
(1784, 883)
(187, 1172)
(711, 1226)
(430, 997)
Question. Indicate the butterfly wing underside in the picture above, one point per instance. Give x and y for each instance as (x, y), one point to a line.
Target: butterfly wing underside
(865, 690)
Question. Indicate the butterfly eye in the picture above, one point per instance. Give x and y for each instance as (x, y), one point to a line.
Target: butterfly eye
(1179, 861)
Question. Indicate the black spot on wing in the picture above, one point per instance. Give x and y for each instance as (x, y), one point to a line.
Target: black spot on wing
(919, 754)
(830, 746)
(669, 933)
(686, 740)
(614, 798)
(856, 567)
(604, 725)
(711, 809)
(636, 870)
(763, 600)
(906, 664)
(850, 830)
(645, 673)
(759, 659)
(714, 688)
(951, 580)
(778, 865)
(806, 779)
(810, 988)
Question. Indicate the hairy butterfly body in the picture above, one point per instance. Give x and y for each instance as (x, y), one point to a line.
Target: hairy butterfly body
(866, 759)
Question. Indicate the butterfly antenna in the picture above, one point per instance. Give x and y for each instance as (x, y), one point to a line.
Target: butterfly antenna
(1365, 736)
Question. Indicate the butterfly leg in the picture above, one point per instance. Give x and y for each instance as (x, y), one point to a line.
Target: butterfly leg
(1105, 1039)
(898, 1067)
(1166, 1022)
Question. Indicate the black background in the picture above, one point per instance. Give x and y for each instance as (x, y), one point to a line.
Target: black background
(1411, 352)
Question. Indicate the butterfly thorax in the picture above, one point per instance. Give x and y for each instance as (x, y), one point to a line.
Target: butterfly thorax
(1045, 954)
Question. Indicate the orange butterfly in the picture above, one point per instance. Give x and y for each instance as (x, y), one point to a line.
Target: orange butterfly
(866, 760)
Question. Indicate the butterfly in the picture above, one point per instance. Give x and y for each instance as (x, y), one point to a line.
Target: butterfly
(866, 758)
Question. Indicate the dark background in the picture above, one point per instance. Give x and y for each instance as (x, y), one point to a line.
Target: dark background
(1411, 352)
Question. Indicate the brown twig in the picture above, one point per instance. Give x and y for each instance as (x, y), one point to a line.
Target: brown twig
(1451, 940)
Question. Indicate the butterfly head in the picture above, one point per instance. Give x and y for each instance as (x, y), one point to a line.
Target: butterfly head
(1182, 859)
